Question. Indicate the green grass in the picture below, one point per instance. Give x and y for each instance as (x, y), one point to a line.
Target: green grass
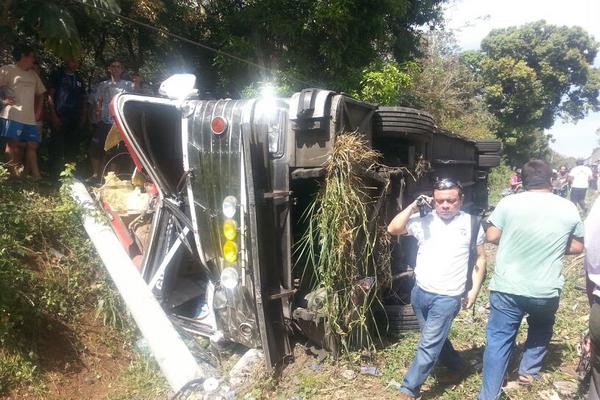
(143, 380)
(468, 336)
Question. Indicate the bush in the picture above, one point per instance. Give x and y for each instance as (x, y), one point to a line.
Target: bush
(49, 274)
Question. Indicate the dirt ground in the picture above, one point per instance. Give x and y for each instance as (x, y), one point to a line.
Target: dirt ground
(80, 362)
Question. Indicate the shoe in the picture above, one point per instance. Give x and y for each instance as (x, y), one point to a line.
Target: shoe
(526, 380)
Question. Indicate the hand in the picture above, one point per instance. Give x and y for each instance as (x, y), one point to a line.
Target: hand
(8, 101)
(469, 299)
(426, 199)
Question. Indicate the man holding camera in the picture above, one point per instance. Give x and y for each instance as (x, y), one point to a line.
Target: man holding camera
(449, 241)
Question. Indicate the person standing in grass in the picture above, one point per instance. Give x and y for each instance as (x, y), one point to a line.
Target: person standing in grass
(67, 114)
(449, 240)
(105, 91)
(23, 102)
(580, 177)
(534, 230)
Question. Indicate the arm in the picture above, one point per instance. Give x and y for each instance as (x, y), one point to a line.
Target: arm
(478, 276)
(493, 234)
(398, 224)
(575, 245)
(39, 105)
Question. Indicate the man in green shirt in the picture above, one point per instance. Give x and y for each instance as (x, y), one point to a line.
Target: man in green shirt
(534, 230)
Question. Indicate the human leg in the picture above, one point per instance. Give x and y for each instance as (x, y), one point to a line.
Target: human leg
(31, 160)
(502, 328)
(542, 313)
(97, 149)
(441, 310)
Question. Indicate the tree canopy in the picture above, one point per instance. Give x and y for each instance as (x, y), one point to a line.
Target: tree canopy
(535, 73)
(299, 43)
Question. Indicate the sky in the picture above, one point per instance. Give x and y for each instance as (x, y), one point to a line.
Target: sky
(472, 20)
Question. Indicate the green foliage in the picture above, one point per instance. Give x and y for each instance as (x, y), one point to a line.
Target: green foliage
(300, 44)
(386, 84)
(53, 23)
(341, 244)
(498, 180)
(49, 274)
(445, 87)
(526, 145)
(315, 42)
(142, 380)
(537, 72)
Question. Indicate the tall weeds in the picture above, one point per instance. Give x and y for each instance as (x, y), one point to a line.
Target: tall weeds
(341, 242)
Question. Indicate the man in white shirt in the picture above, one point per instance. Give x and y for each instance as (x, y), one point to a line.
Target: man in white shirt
(442, 270)
(580, 177)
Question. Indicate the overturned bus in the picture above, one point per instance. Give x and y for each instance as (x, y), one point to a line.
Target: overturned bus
(220, 187)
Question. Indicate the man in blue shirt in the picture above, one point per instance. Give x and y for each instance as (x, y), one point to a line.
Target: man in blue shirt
(67, 114)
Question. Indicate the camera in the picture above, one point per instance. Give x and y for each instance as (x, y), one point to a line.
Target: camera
(424, 206)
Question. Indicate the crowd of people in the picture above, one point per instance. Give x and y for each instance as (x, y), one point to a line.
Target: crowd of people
(573, 183)
(534, 230)
(62, 104)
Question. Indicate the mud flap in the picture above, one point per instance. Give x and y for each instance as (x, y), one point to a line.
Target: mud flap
(266, 277)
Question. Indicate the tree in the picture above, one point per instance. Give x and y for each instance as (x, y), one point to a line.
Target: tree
(448, 89)
(51, 22)
(314, 42)
(536, 73)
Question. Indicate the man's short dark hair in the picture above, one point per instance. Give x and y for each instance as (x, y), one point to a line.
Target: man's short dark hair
(21, 50)
(537, 174)
(447, 184)
(113, 60)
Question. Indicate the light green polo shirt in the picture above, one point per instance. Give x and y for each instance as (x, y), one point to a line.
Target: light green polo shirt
(536, 227)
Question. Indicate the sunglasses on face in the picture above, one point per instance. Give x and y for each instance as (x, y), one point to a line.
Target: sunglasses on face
(445, 184)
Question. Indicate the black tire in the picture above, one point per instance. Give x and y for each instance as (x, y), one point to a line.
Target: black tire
(489, 146)
(383, 131)
(489, 160)
(396, 319)
(405, 124)
(404, 110)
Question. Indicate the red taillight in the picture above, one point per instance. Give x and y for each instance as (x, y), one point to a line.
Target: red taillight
(218, 125)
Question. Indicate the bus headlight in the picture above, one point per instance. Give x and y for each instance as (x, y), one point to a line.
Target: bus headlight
(229, 206)
(229, 278)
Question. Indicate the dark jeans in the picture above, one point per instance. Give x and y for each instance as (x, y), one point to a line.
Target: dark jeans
(578, 197)
(506, 313)
(435, 313)
(64, 143)
(594, 393)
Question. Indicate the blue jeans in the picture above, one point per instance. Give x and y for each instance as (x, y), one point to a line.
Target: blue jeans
(506, 313)
(435, 313)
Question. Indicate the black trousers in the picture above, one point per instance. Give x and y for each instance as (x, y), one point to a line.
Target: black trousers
(578, 197)
(64, 143)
